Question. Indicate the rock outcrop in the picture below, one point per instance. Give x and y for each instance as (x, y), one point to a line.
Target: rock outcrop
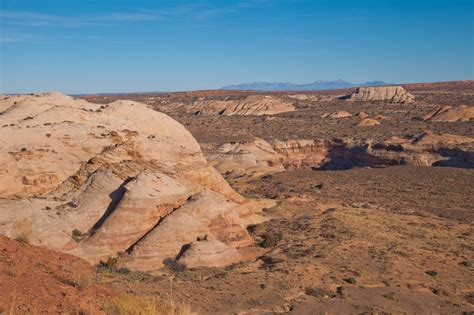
(302, 153)
(395, 94)
(338, 114)
(99, 180)
(247, 158)
(450, 114)
(258, 157)
(425, 149)
(368, 122)
(365, 120)
(251, 105)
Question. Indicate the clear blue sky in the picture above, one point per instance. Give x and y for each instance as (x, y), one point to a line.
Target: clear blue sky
(86, 46)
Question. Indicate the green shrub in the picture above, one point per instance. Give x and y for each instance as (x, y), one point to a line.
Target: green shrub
(271, 239)
(76, 235)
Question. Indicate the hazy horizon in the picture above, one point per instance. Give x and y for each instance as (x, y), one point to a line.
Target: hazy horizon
(144, 46)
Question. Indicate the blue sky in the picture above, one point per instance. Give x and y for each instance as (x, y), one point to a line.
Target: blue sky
(139, 45)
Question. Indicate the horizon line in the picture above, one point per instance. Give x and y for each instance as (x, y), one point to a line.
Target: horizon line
(220, 88)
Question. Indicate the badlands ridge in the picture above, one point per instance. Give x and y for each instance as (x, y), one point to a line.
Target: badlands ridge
(251, 105)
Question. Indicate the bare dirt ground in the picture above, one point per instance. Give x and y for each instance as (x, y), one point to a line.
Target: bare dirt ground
(34, 280)
(385, 240)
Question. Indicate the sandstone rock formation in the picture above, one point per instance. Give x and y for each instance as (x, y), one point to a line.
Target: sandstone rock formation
(368, 122)
(395, 94)
(451, 114)
(338, 114)
(247, 158)
(98, 180)
(259, 157)
(251, 105)
(425, 149)
(302, 153)
(371, 121)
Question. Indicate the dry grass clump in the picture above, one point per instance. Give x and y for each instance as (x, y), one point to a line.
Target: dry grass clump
(132, 305)
(182, 309)
(83, 278)
(128, 304)
(22, 230)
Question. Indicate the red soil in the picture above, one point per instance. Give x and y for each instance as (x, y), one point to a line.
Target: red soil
(40, 281)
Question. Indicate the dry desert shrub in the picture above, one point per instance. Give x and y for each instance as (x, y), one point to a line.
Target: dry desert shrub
(318, 292)
(132, 305)
(83, 278)
(22, 230)
(77, 235)
(182, 309)
(271, 239)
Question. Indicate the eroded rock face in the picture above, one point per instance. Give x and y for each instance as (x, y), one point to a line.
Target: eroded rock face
(258, 157)
(247, 158)
(425, 149)
(206, 215)
(451, 114)
(251, 105)
(96, 181)
(395, 94)
(302, 153)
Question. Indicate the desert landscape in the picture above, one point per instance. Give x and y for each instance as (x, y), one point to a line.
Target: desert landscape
(241, 157)
(239, 202)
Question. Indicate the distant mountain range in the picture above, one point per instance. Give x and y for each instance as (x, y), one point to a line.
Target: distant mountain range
(317, 85)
